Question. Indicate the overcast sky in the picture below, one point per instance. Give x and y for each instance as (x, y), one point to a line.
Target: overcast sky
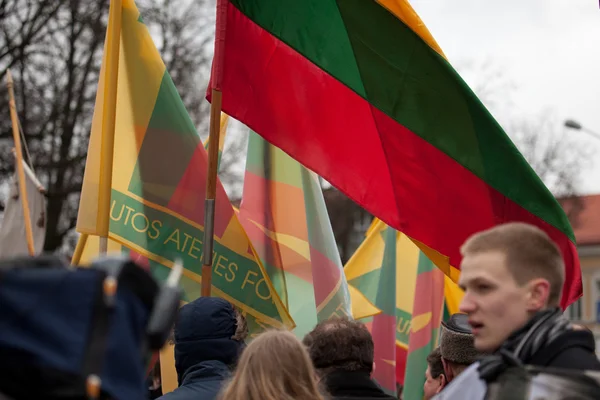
(548, 49)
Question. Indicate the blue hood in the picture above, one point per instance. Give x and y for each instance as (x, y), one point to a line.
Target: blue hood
(203, 333)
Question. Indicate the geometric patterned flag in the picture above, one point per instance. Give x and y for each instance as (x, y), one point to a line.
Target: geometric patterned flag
(190, 287)
(91, 243)
(159, 182)
(283, 211)
(425, 325)
(379, 285)
(380, 113)
(393, 286)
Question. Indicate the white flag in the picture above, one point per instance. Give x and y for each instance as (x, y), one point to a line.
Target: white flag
(13, 239)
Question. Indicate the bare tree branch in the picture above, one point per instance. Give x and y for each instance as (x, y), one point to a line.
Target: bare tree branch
(54, 49)
(556, 158)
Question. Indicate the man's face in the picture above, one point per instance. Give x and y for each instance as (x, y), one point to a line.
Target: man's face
(496, 305)
(432, 385)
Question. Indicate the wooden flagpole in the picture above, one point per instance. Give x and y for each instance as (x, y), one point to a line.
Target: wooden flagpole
(19, 164)
(79, 249)
(109, 111)
(213, 148)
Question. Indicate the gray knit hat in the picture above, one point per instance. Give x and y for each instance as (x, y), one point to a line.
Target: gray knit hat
(457, 341)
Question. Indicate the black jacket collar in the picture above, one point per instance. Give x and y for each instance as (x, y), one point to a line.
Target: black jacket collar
(353, 385)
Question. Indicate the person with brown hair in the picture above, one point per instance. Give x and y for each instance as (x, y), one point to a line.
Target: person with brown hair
(435, 380)
(274, 366)
(209, 337)
(513, 276)
(342, 351)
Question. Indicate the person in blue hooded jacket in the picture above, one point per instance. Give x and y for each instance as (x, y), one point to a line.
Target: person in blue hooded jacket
(209, 337)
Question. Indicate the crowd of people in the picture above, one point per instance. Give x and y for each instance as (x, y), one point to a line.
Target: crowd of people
(512, 277)
(333, 361)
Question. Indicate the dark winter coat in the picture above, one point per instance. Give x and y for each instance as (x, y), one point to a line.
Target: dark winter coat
(344, 385)
(204, 350)
(571, 350)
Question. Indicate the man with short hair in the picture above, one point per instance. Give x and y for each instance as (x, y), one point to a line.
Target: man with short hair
(513, 276)
(209, 337)
(457, 349)
(434, 374)
(342, 352)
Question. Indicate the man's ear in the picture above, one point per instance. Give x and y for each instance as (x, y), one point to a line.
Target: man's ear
(448, 374)
(443, 383)
(539, 292)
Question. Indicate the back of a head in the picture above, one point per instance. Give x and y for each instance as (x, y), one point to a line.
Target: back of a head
(340, 344)
(274, 366)
(457, 345)
(208, 329)
(434, 361)
(530, 254)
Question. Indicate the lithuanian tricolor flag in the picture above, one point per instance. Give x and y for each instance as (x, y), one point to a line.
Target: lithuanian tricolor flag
(283, 211)
(360, 93)
(158, 183)
(401, 295)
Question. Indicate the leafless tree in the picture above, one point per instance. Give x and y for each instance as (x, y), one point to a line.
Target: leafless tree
(183, 31)
(349, 221)
(56, 70)
(557, 159)
(23, 25)
(54, 50)
(489, 82)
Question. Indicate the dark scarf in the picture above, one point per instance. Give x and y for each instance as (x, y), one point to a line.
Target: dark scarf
(522, 345)
(539, 332)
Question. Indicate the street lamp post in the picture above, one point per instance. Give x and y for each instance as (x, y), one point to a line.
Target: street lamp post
(572, 124)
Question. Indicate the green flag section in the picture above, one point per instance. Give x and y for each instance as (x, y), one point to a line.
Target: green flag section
(359, 92)
(158, 185)
(283, 211)
(391, 284)
(384, 324)
(190, 283)
(423, 338)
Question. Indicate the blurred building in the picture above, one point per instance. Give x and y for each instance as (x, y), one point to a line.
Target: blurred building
(584, 214)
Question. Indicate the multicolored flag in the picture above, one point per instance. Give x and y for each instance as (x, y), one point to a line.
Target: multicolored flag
(360, 93)
(90, 244)
(425, 325)
(394, 287)
(283, 211)
(159, 180)
(376, 262)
